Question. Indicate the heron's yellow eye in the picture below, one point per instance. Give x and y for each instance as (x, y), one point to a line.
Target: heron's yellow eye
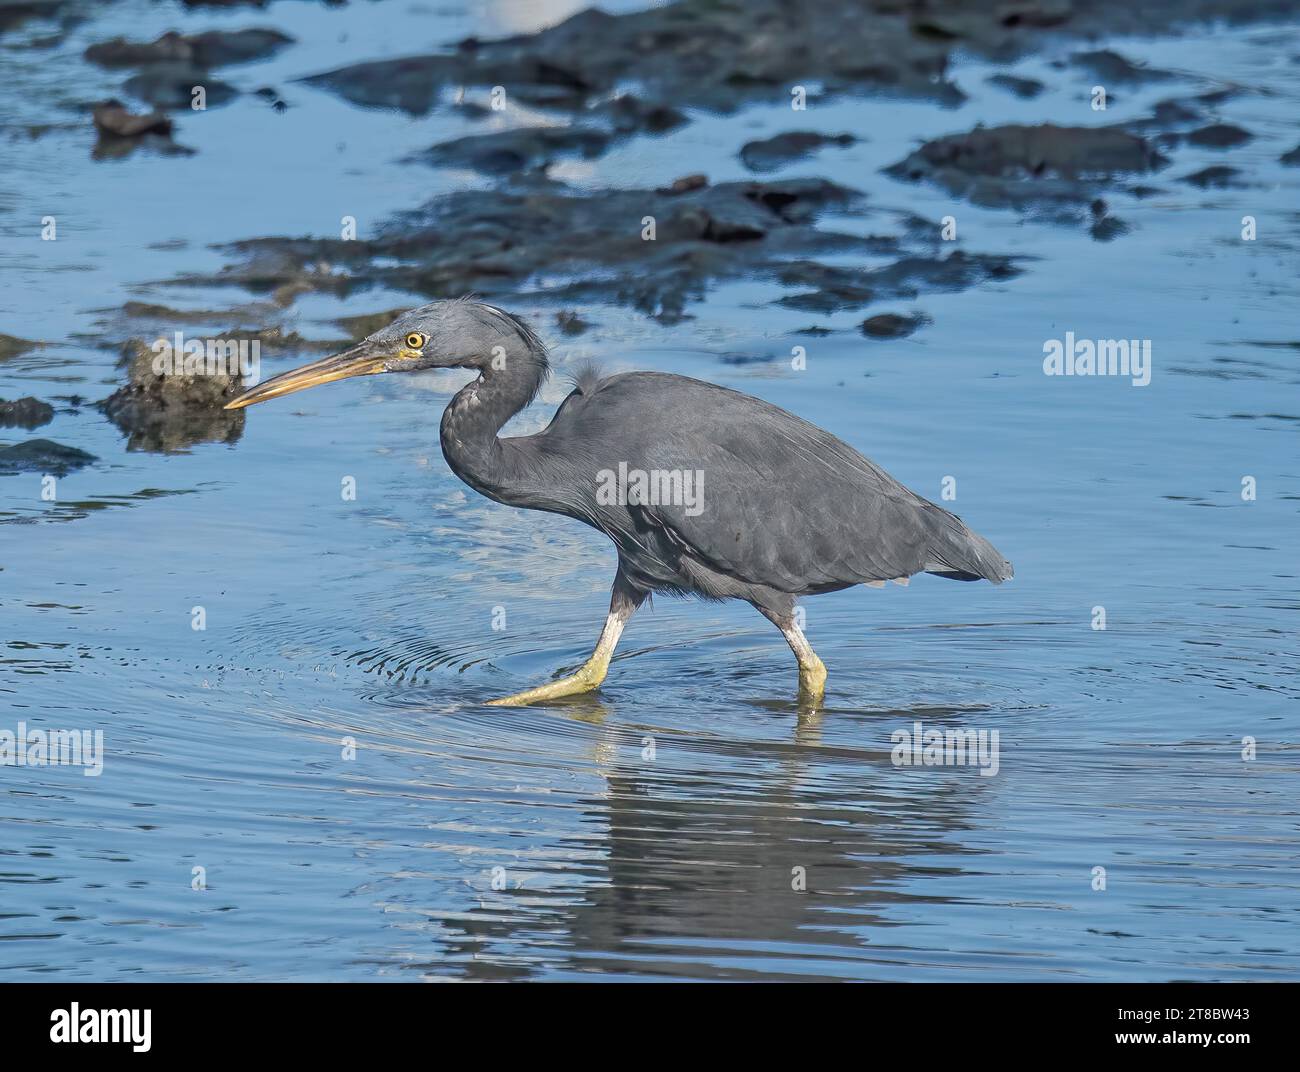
(415, 341)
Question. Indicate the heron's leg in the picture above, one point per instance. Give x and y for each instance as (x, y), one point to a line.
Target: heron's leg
(623, 603)
(812, 671)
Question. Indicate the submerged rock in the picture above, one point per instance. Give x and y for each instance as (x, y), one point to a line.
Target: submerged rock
(42, 456)
(26, 413)
(775, 152)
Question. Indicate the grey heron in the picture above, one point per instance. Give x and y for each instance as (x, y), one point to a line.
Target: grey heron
(778, 508)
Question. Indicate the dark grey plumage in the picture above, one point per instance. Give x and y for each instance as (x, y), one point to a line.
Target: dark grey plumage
(789, 509)
(784, 510)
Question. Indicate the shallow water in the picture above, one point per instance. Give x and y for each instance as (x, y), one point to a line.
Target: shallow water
(656, 829)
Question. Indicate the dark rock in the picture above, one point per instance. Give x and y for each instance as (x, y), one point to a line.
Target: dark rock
(1106, 228)
(171, 85)
(1043, 167)
(1217, 178)
(508, 151)
(772, 153)
(26, 413)
(42, 456)
(112, 117)
(1110, 67)
(215, 48)
(1024, 88)
(684, 185)
(627, 114)
(13, 347)
(892, 325)
(1219, 136)
(168, 409)
(570, 323)
(1291, 158)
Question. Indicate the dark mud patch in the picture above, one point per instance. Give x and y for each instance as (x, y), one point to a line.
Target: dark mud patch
(832, 288)
(1045, 168)
(656, 251)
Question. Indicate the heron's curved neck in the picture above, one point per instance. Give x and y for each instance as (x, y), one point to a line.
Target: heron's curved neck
(474, 417)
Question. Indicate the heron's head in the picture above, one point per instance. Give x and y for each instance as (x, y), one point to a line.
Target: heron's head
(442, 334)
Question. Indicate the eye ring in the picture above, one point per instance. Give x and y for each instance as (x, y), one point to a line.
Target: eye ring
(416, 341)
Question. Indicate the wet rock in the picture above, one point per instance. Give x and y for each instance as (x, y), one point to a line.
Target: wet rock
(1024, 88)
(627, 114)
(272, 97)
(122, 132)
(26, 413)
(775, 152)
(1106, 228)
(508, 151)
(835, 288)
(1109, 67)
(1219, 136)
(172, 85)
(1292, 158)
(1218, 177)
(892, 325)
(168, 410)
(684, 185)
(113, 117)
(493, 242)
(693, 53)
(10, 346)
(14, 13)
(42, 456)
(359, 327)
(215, 48)
(1017, 166)
(570, 323)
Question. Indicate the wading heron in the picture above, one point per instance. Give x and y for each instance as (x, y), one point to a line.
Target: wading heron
(703, 490)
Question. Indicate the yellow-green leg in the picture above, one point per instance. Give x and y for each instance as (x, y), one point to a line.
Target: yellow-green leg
(623, 603)
(812, 671)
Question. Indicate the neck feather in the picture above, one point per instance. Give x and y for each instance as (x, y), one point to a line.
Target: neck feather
(474, 417)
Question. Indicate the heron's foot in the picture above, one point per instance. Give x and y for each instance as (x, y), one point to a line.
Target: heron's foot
(585, 680)
(812, 678)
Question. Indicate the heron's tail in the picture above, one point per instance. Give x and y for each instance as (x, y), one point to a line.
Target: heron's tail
(962, 555)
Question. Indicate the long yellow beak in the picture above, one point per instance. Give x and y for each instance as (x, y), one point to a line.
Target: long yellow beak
(359, 361)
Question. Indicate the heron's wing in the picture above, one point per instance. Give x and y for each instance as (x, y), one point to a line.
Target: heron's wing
(773, 499)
